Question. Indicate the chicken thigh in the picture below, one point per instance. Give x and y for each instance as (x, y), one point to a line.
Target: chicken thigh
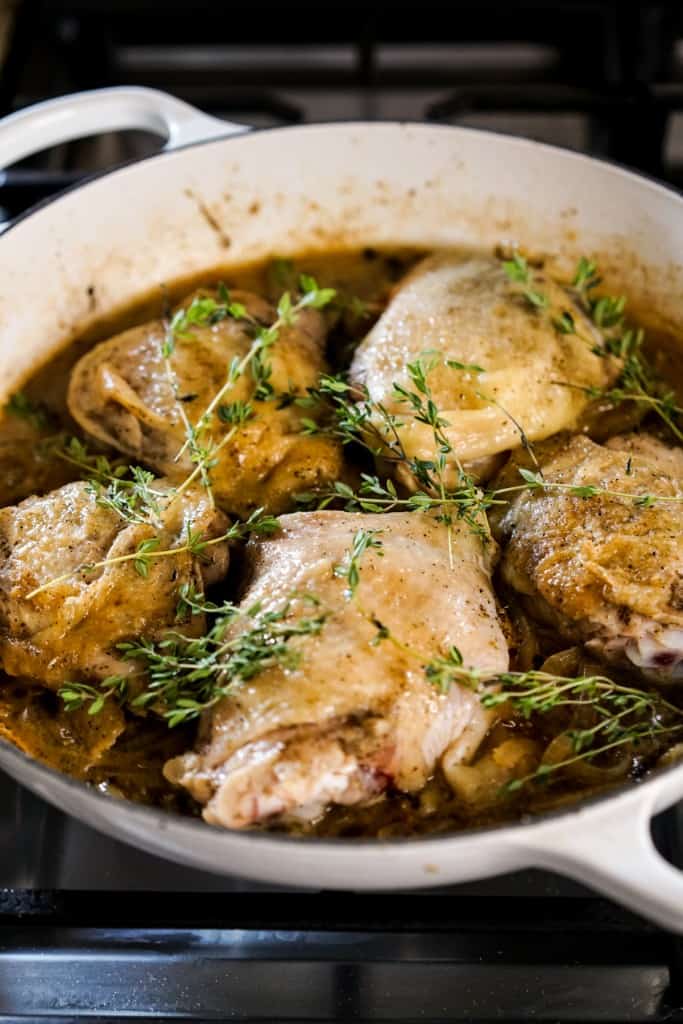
(354, 712)
(121, 394)
(604, 570)
(494, 357)
(70, 629)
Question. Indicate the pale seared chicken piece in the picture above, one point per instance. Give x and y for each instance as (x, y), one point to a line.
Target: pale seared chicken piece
(470, 312)
(70, 630)
(355, 715)
(602, 569)
(120, 393)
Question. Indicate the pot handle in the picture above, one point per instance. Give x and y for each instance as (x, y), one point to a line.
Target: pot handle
(106, 110)
(614, 853)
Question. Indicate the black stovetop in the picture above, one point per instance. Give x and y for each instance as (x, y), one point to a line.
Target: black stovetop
(92, 928)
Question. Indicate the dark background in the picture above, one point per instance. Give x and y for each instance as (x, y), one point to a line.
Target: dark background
(91, 928)
(604, 76)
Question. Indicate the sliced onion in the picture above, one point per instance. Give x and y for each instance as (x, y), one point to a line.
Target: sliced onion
(587, 772)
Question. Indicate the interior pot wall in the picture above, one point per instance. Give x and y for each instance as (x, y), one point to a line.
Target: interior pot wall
(288, 190)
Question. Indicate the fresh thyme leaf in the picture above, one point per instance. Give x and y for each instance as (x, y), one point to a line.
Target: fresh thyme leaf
(313, 296)
(309, 426)
(188, 675)
(235, 413)
(517, 268)
(539, 300)
(78, 695)
(564, 323)
(468, 367)
(622, 715)
(537, 482)
(143, 550)
(586, 276)
(534, 480)
(284, 309)
(608, 311)
(358, 308)
(349, 569)
(37, 414)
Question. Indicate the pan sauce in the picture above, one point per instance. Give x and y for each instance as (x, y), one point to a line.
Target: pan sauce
(124, 754)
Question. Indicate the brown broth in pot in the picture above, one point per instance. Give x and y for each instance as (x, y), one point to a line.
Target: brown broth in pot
(123, 754)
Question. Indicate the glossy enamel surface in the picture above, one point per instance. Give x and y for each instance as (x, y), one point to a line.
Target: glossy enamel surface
(279, 192)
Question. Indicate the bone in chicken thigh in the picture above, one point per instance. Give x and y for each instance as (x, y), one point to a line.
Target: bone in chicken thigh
(121, 394)
(497, 361)
(604, 570)
(70, 629)
(356, 713)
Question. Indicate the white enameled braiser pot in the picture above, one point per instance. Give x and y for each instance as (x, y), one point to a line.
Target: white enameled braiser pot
(219, 195)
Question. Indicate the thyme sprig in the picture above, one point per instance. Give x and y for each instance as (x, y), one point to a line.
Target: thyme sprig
(638, 381)
(375, 495)
(537, 482)
(349, 568)
(149, 549)
(77, 695)
(187, 675)
(357, 418)
(203, 311)
(23, 407)
(623, 715)
(256, 358)
(519, 272)
(127, 490)
(563, 319)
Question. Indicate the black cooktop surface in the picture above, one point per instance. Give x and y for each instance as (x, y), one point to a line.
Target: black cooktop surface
(93, 929)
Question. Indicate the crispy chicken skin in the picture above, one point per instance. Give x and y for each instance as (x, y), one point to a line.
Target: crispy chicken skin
(470, 312)
(120, 394)
(602, 569)
(356, 713)
(71, 629)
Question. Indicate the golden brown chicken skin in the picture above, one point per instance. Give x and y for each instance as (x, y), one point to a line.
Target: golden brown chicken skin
(497, 362)
(70, 629)
(606, 570)
(121, 394)
(355, 713)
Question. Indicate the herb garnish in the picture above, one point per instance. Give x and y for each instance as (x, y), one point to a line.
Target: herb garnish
(537, 482)
(78, 695)
(358, 419)
(37, 414)
(638, 380)
(149, 549)
(187, 675)
(519, 272)
(204, 452)
(623, 715)
(349, 569)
